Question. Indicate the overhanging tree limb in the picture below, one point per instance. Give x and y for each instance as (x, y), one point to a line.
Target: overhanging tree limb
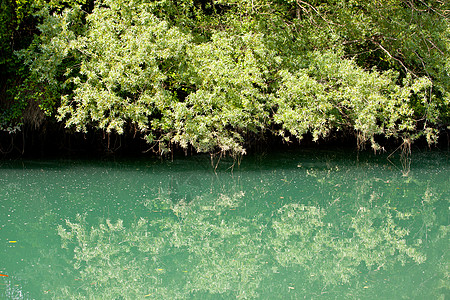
(393, 57)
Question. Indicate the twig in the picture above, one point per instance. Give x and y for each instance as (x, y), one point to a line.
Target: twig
(391, 56)
(316, 11)
(431, 42)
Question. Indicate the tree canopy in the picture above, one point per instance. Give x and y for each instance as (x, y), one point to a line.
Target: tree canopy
(213, 75)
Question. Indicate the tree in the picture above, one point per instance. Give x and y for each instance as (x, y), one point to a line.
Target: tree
(210, 74)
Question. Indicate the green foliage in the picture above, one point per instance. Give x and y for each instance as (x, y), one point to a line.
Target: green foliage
(209, 74)
(11, 111)
(335, 94)
(27, 98)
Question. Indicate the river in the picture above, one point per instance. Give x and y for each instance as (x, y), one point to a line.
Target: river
(309, 224)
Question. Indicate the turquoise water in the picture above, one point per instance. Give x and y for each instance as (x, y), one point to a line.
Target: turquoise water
(315, 224)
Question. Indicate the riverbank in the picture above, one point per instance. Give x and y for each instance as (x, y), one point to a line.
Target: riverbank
(53, 140)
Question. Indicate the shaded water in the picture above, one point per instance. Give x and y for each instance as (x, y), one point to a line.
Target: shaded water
(307, 225)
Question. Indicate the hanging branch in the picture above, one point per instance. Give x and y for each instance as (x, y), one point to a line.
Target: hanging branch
(393, 57)
(315, 10)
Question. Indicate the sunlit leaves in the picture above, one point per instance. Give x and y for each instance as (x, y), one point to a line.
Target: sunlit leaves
(121, 77)
(336, 94)
(229, 97)
(209, 76)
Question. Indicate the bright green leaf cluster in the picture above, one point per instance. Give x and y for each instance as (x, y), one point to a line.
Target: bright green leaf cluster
(209, 75)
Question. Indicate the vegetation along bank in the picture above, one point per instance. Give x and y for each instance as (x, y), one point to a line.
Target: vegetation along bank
(221, 76)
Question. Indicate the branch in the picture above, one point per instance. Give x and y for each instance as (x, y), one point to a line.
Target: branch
(391, 56)
(313, 8)
(442, 52)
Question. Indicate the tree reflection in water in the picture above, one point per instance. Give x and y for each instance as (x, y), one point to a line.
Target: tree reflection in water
(205, 249)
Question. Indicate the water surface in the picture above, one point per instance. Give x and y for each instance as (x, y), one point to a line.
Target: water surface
(325, 225)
